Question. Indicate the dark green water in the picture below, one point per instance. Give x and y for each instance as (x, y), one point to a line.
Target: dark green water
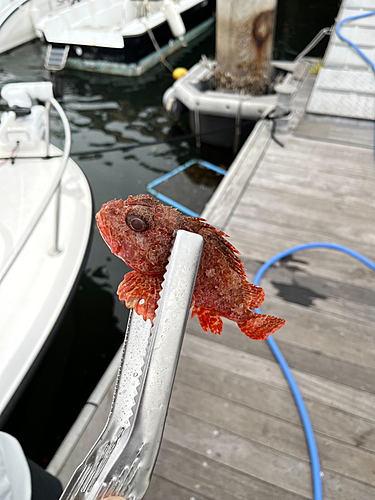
(107, 111)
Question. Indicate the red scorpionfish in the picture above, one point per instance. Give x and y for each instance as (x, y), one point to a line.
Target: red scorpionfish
(141, 232)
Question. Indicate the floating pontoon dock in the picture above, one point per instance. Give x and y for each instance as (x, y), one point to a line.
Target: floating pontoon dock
(233, 430)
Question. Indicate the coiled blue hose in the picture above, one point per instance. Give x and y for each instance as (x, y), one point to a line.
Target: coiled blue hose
(313, 451)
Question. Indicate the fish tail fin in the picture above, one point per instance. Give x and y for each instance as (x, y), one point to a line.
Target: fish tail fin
(260, 326)
(207, 320)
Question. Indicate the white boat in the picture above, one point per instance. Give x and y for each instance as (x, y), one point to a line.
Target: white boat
(124, 37)
(216, 117)
(45, 227)
(17, 21)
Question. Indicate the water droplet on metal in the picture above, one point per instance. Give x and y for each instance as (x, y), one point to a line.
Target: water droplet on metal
(321, 474)
(204, 464)
(209, 452)
(197, 486)
(192, 498)
(215, 432)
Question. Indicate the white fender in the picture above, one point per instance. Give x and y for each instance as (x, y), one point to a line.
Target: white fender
(174, 19)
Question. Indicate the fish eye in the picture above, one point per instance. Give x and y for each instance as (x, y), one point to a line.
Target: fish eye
(136, 223)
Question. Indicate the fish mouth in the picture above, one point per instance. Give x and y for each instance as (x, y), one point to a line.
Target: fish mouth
(101, 221)
(104, 228)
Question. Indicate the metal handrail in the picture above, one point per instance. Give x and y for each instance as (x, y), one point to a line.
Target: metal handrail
(53, 188)
(322, 33)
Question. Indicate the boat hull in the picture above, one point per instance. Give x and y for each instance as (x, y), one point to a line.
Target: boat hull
(16, 27)
(36, 289)
(220, 130)
(138, 54)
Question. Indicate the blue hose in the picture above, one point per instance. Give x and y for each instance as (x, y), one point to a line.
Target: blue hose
(313, 451)
(352, 44)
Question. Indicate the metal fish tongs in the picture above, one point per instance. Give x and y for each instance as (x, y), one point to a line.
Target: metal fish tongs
(122, 459)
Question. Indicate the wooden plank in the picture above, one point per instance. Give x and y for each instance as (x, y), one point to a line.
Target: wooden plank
(336, 131)
(266, 399)
(311, 360)
(259, 427)
(334, 297)
(259, 461)
(251, 233)
(336, 486)
(225, 198)
(256, 394)
(350, 190)
(260, 241)
(318, 291)
(162, 489)
(350, 400)
(272, 432)
(351, 161)
(240, 453)
(361, 313)
(325, 217)
(318, 149)
(322, 333)
(185, 467)
(287, 279)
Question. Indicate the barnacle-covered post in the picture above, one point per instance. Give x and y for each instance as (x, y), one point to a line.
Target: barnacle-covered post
(244, 43)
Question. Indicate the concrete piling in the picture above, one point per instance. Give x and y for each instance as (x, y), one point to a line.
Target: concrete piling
(244, 44)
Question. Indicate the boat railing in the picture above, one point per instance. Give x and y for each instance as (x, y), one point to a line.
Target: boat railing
(55, 187)
(10, 10)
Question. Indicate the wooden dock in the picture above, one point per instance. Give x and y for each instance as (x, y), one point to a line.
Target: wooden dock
(233, 431)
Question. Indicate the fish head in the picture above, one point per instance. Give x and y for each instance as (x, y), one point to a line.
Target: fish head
(139, 230)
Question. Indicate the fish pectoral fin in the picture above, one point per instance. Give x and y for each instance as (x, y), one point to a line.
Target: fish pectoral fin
(141, 293)
(260, 326)
(208, 320)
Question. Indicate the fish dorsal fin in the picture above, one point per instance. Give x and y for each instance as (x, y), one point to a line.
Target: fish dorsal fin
(255, 294)
(218, 238)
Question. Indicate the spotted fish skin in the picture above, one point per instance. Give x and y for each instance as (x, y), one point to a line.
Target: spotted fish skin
(141, 231)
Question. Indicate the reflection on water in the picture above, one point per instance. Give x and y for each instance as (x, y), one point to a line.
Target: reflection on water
(64, 379)
(110, 112)
(104, 112)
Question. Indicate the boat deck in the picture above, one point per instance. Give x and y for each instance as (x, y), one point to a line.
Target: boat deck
(233, 431)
